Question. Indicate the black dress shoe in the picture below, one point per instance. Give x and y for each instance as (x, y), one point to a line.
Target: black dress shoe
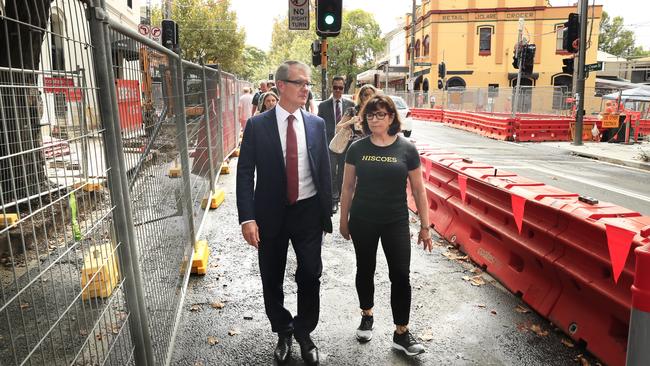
(308, 351)
(283, 349)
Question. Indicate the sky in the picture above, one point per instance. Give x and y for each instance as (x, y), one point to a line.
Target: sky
(256, 16)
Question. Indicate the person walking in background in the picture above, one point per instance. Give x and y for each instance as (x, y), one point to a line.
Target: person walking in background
(256, 98)
(284, 193)
(245, 106)
(269, 100)
(331, 110)
(373, 208)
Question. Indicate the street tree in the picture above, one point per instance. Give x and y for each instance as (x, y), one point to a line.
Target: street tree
(354, 50)
(253, 64)
(617, 40)
(208, 30)
(22, 165)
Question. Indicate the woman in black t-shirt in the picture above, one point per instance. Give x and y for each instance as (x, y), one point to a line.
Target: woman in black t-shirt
(373, 207)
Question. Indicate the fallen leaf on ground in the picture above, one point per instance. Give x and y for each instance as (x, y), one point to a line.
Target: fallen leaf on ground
(477, 281)
(538, 330)
(212, 340)
(218, 305)
(494, 312)
(233, 332)
(522, 309)
(427, 335)
(582, 360)
(476, 271)
(98, 336)
(466, 278)
(24, 305)
(195, 307)
(480, 305)
(198, 363)
(83, 332)
(567, 343)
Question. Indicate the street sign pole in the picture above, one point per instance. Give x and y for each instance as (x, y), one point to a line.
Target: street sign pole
(515, 102)
(580, 85)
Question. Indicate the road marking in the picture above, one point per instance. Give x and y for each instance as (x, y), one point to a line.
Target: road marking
(590, 182)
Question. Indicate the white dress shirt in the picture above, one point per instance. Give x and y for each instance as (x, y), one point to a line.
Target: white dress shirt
(306, 186)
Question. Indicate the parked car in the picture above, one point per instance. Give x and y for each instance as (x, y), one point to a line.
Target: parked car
(404, 115)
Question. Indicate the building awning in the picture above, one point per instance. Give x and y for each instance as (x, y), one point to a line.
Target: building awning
(394, 73)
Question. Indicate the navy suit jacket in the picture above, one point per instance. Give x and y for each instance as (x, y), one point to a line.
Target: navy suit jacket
(265, 200)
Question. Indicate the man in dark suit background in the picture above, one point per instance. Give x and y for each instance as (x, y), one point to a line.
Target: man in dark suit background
(291, 200)
(331, 110)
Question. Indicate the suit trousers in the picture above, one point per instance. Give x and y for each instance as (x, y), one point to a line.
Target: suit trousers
(337, 163)
(303, 227)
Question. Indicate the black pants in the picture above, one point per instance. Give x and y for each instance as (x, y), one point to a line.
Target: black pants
(302, 225)
(396, 242)
(337, 163)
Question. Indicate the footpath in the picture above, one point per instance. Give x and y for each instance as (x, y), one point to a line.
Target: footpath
(461, 314)
(634, 155)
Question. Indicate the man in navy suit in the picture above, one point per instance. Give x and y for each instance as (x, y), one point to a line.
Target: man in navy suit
(291, 200)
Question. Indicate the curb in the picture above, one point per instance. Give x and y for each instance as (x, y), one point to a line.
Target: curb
(628, 163)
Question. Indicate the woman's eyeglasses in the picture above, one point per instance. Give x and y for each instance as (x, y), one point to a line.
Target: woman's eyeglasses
(378, 115)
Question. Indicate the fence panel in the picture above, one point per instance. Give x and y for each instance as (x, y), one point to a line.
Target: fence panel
(109, 144)
(62, 282)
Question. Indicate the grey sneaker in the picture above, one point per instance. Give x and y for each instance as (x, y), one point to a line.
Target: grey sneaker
(364, 332)
(406, 343)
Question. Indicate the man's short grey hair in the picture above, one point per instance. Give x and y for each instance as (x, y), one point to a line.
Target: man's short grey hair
(283, 71)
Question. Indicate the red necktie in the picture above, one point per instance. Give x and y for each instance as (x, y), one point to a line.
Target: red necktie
(292, 162)
(338, 111)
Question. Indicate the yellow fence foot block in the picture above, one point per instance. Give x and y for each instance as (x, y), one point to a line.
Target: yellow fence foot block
(174, 172)
(200, 257)
(8, 220)
(93, 185)
(225, 168)
(100, 272)
(235, 153)
(215, 200)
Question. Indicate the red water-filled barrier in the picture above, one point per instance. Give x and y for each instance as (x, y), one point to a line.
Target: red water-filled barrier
(427, 114)
(569, 257)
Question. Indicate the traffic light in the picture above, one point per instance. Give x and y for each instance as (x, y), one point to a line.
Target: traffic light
(315, 52)
(571, 33)
(169, 33)
(442, 70)
(568, 65)
(328, 17)
(440, 86)
(515, 56)
(528, 58)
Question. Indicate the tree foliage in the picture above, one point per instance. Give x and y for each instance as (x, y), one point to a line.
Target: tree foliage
(352, 52)
(208, 30)
(617, 40)
(253, 64)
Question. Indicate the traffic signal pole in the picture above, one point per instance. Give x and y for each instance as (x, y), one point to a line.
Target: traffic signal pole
(323, 67)
(519, 49)
(580, 85)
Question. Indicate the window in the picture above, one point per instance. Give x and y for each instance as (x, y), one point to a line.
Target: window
(129, 3)
(559, 38)
(493, 90)
(425, 46)
(417, 48)
(485, 41)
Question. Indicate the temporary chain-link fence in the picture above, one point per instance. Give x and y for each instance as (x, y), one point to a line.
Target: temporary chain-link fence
(110, 146)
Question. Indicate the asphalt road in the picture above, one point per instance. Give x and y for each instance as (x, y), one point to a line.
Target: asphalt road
(623, 186)
(459, 322)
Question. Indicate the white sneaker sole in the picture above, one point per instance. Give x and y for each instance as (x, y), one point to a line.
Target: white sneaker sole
(364, 339)
(398, 347)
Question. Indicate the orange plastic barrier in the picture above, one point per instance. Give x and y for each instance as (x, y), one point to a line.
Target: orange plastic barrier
(569, 258)
(427, 114)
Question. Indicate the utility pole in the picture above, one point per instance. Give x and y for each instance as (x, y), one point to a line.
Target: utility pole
(519, 48)
(412, 48)
(580, 85)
